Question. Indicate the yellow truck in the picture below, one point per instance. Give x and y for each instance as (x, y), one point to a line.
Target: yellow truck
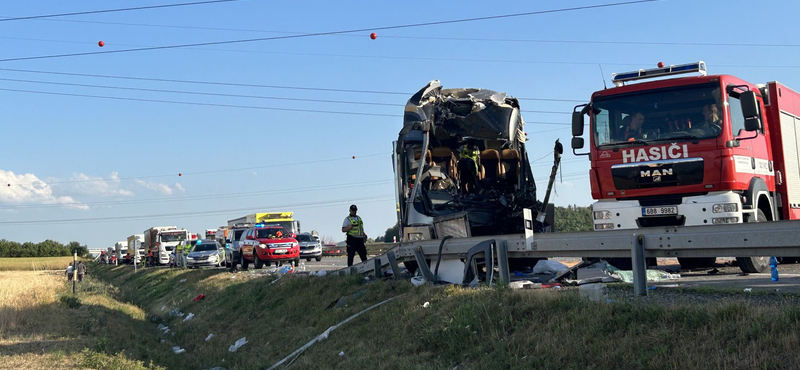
(285, 219)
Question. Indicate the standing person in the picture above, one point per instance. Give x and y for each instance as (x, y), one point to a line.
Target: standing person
(69, 271)
(81, 271)
(354, 227)
(178, 253)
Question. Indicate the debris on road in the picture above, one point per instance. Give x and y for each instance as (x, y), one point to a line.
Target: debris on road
(188, 317)
(239, 343)
(198, 298)
(524, 284)
(178, 350)
(183, 280)
(549, 267)
(176, 312)
(208, 338)
(417, 280)
(426, 305)
(341, 353)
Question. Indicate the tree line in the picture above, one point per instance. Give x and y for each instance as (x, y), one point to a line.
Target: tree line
(47, 248)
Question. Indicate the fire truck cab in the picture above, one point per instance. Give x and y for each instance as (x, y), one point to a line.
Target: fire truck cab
(700, 150)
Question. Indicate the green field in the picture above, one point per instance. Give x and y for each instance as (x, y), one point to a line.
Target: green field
(34, 263)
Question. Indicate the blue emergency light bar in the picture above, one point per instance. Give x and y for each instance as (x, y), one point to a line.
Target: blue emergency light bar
(619, 78)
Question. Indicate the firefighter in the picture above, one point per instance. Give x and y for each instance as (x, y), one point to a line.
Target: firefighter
(353, 226)
(469, 166)
(711, 125)
(633, 130)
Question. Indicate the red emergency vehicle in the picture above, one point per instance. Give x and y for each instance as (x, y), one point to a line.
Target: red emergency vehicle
(270, 243)
(699, 150)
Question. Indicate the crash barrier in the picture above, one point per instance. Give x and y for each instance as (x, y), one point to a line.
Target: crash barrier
(781, 238)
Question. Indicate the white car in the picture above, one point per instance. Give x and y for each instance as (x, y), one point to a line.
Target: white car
(206, 253)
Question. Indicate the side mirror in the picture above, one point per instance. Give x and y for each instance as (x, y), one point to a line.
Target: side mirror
(752, 122)
(577, 143)
(577, 123)
(250, 237)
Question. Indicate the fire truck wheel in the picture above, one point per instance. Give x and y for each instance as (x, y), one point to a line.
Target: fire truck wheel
(754, 265)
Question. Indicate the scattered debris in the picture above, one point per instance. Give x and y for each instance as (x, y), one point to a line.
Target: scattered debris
(218, 367)
(300, 350)
(208, 338)
(748, 290)
(183, 280)
(417, 280)
(551, 285)
(198, 298)
(343, 301)
(652, 287)
(178, 350)
(176, 312)
(188, 317)
(594, 292)
(426, 305)
(162, 340)
(341, 353)
(286, 269)
(599, 272)
(714, 271)
(549, 267)
(163, 308)
(274, 281)
(239, 343)
(524, 284)
(320, 273)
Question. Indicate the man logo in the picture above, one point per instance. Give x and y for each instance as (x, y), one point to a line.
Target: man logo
(604, 154)
(656, 173)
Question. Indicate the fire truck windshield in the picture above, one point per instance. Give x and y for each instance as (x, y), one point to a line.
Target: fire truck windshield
(172, 237)
(687, 112)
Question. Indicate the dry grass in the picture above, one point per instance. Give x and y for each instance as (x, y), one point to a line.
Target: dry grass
(38, 331)
(34, 263)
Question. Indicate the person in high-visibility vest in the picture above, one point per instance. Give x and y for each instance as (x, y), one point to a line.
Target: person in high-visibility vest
(179, 255)
(469, 166)
(353, 226)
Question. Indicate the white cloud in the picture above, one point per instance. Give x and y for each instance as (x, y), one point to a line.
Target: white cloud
(82, 184)
(29, 189)
(179, 187)
(159, 187)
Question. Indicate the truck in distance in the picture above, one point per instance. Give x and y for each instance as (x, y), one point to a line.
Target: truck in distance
(161, 241)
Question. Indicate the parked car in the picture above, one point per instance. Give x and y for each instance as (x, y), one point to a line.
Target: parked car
(310, 246)
(232, 243)
(267, 244)
(334, 250)
(206, 253)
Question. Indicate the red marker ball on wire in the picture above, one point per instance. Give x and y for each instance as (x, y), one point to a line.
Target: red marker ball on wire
(180, 174)
(660, 64)
(354, 157)
(101, 43)
(373, 35)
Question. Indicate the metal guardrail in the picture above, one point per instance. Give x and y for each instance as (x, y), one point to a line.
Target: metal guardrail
(781, 238)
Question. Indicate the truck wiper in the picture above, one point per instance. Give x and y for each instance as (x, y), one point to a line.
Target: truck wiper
(682, 137)
(623, 143)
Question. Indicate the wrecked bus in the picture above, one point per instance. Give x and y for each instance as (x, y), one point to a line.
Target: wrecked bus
(461, 167)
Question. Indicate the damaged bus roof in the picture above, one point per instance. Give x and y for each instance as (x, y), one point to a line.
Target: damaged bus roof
(478, 113)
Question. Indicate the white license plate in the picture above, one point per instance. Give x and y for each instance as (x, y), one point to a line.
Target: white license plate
(659, 211)
(280, 251)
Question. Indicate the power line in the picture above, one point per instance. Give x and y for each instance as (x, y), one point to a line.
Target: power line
(208, 172)
(402, 26)
(203, 104)
(199, 197)
(233, 84)
(207, 93)
(195, 213)
(114, 10)
(235, 95)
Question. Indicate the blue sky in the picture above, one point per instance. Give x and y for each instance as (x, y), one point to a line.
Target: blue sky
(305, 158)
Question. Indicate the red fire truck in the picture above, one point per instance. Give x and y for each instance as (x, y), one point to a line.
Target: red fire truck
(699, 150)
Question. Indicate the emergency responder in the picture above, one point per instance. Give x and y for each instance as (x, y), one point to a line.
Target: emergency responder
(633, 128)
(469, 166)
(354, 227)
(179, 255)
(712, 125)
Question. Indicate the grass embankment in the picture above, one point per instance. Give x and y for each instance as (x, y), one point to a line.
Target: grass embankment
(470, 328)
(484, 328)
(35, 263)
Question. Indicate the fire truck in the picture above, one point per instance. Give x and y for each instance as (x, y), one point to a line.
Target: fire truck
(696, 150)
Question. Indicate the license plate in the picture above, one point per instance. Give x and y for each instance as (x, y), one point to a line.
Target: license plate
(659, 211)
(280, 251)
